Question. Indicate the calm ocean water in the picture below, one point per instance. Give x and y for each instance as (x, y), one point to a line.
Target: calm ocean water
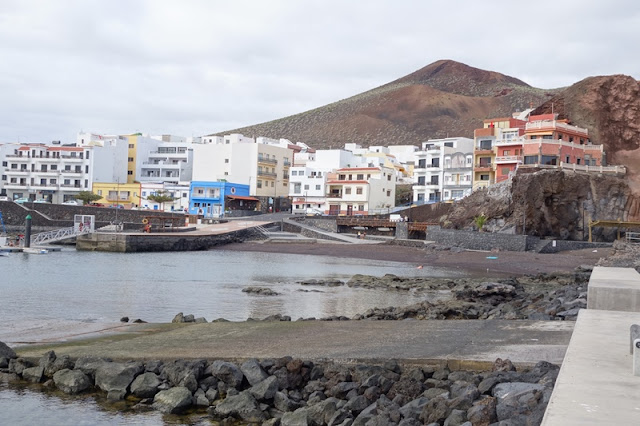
(69, 292)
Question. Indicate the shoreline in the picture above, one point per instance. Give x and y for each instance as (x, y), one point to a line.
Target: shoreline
(473, 262)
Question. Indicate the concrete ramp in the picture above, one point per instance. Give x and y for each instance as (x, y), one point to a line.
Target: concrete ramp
(596, 385)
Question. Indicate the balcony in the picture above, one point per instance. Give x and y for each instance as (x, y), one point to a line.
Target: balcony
(555, 125)
(75, 172)
(508, 159)
(287, 164)
(18, 157)
(267, 160)
(267, 174)
(20, 172)
(483, 151)
(334, 195)
(508, 142)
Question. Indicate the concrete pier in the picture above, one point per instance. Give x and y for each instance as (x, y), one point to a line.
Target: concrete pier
(614, 289)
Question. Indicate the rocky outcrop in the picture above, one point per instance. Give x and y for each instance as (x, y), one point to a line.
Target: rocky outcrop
(549, 203)
(6, 352)
(71, 381)
(260, 291)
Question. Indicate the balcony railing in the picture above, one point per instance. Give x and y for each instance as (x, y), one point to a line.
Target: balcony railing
(334, 195)
(553, 124)
(267, 160)
(267, 174)
(286, 164)
(509, 159)
(508, 141)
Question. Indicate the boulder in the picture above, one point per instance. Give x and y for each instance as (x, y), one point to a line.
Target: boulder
(266, 389)
(145, 385)
(456, 418)
(33, 374)
(282, 402)
(17, 365)
(519, 401)
(357, 404)
(243, 406)
(173, 401)
(115, 378)
(71, 381)
(253, 372)
(413, 408)
(200, 399)
(6, 351)
(189, 318)
(261, 291)
(200, 320)
(211, 395)
(179, 318)
(435, 411)
(4, 362)
(88, 365)
(295, 418)
(184, 373)
(483, 412)
(227, 372)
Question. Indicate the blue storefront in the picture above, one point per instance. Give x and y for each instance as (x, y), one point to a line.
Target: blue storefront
(213, 199)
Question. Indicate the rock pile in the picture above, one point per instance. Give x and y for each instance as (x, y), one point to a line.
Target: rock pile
(289, 391)
(624, 255)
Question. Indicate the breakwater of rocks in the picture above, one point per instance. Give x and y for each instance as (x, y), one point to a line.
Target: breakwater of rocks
(289, 391)
(558, 296)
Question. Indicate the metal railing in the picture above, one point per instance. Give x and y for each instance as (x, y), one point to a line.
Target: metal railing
(633, 237)
(57, 235)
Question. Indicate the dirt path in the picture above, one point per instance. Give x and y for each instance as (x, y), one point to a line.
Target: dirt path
(508, 263)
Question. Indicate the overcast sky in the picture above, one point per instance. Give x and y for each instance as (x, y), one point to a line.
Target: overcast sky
(198, 67)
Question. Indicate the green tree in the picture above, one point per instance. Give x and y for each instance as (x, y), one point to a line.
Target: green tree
(160, 197)
(87, 197)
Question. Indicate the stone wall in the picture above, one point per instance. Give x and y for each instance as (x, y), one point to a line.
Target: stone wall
(563, 245)
(309, 233)
(480, 240)
(324, 223)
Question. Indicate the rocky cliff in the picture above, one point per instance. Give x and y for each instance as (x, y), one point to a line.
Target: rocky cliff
(546, 203)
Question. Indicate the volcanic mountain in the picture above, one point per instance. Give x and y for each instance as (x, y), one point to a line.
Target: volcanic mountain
(448, 98)
(443, 99)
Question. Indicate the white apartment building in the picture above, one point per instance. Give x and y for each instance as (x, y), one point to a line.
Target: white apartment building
(400, 157)
(170, 162)
(238, 159)
(110, 153)
(308, 183)
(52, 173)
(179, 192)
(361, 191)
(443, 170)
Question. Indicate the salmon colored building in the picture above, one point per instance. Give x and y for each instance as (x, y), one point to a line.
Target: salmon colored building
(506, 144)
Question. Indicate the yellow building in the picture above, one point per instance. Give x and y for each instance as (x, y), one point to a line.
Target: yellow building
(131, 157)
(113, 193)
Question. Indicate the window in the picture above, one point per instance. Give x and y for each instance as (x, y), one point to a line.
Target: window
(484, 177)
(14, 166)
(434, 180)
(422, 164)
(4, 164)
(226, 161)
(306, 187)
(534, 136)
(505, 152)
(43, 182)
(550, 160)
(342, 177)
(361, 207)
(272, 185)
(131, 146)
(67, 182)
(567, 159)
(530, 159)
(388, 193)
(226, 173)
(297, 188)
(484, 162)
(87, 155)
(485, 144)
(421, 180)
(435, 162)
(347, 190)
(130, 172)
(359, 190)
(389, 177)
(577, 160)
(547, 137)
(294, 173)
(54, 167)
(259, 184)
(360, 176)
(469, 160)
(100, 192)
(130, 159)
(318, 187)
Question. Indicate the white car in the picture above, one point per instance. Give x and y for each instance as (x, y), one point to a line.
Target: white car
(71, 203)
(4, 198)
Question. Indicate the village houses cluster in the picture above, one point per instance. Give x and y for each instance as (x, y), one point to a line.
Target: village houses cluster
(218, 175)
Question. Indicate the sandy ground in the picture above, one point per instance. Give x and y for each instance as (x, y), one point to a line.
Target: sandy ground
(507, 263)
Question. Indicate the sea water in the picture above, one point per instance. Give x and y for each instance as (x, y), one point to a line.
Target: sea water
(70, 293)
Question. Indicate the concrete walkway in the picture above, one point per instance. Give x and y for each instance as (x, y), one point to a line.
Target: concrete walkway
(468, 343)
(596, 385)
(345, 238)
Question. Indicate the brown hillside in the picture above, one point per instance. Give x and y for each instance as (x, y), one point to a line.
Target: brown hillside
(445, 98)
(609, 106)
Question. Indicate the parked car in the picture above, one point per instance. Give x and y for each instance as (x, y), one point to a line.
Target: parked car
(4, 198)
(71, 203)
(41, 201)
(22, 200)
(96, 204)
(314, 212)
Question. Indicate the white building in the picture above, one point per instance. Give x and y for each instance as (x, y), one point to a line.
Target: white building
(52, 173)
(238, 159)
(110, 155)
(179, 193)
(170, 162)
(361, 191)
(443, 170)
(308, 183)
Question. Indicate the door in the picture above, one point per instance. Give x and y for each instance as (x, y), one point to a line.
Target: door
(334, 209)
(349, 209)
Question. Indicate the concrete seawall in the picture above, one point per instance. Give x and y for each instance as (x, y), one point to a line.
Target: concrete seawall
(132, 243)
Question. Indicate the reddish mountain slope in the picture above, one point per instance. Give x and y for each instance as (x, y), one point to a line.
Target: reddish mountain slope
(444, 98)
